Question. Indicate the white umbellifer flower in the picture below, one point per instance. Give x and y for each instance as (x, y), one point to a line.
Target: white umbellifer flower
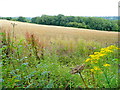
(26, 57)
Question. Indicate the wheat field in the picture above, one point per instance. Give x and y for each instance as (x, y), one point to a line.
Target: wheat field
(49, 32)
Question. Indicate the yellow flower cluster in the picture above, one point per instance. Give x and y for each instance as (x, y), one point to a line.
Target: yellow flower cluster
(106, 65)
(95, 68)
(96, 56)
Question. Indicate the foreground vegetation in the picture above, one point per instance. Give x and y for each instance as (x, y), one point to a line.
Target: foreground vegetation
(29, 63)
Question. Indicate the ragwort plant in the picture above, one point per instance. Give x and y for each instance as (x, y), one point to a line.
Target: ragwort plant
(102, 68)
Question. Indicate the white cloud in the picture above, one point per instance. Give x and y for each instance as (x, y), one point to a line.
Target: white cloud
(53, 7)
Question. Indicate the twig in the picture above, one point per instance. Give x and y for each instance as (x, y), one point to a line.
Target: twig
(83, 80)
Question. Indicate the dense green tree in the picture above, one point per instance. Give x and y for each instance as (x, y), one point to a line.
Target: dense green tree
(96, 23)
(22, 19)
(75, 24)
(7, 18)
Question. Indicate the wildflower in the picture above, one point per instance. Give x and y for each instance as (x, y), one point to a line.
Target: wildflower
(112, 47)
(102, 49)
(109, 50)
(96, 52)
(96, 68)
(102, 55)
(106, 65)
(94, 56)
(92, 70)
(87, 60)
(105, 51)
(91, 56)
(26, 57)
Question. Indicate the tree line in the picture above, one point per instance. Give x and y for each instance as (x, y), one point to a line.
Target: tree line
(96, 23)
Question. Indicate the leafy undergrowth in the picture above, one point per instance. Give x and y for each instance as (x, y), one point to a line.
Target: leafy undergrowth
(29, 63)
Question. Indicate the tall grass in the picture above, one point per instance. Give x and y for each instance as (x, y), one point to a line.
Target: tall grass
(30, 63)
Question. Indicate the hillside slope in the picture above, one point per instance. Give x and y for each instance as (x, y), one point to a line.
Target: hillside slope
(48, 32)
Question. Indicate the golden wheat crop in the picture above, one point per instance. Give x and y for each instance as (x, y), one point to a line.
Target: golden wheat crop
(49, 33)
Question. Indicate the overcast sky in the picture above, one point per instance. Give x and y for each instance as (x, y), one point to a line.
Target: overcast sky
(32, 8)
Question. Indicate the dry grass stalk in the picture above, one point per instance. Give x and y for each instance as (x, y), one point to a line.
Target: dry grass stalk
(77, 69)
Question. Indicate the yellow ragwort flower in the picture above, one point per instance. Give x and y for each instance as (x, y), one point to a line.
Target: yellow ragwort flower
(92, 70)
(92, 56)
(96, 53)
(106, 65)
(102, 49)
(87, 60)
(109, 50)
(96, 57)
(96, 68)
(112, 47)
(102, 55)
